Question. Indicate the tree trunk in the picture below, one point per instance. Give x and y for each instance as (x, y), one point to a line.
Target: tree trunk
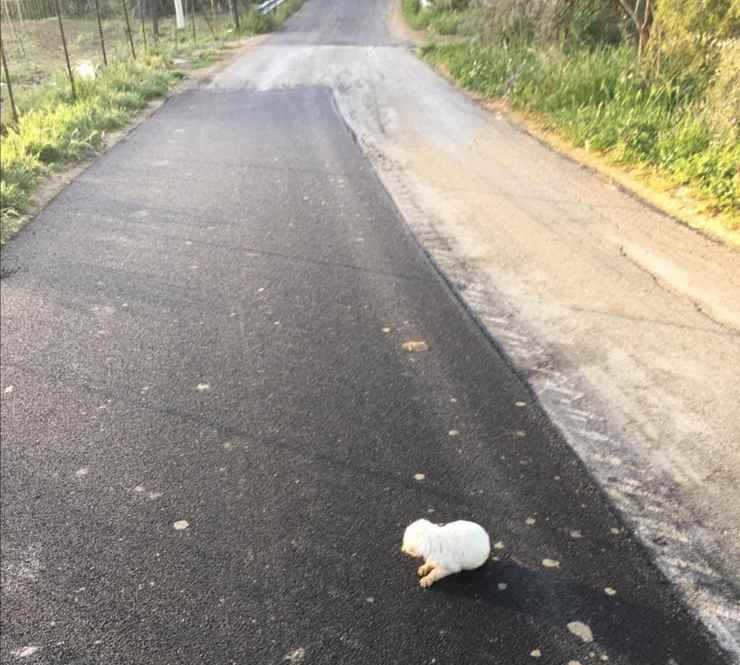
(235, 11)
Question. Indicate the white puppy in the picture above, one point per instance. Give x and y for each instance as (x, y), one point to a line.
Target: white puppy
(446, 549)
(86, 70)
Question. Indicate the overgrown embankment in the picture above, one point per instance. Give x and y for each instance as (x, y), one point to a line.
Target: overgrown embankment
(673, 109)
(55, 129)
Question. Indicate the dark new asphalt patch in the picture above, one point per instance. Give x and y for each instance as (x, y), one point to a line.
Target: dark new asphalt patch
(207, 326)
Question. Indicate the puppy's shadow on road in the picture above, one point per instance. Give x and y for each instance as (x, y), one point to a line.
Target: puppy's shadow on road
(636, 631)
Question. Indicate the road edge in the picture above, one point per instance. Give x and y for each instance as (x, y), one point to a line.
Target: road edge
(54, 183)
(666, 203)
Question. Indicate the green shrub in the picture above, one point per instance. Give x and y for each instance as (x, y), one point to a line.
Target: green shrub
(411, 11)
(257, 24)
(445, 22)
(689, 33)
(724, 93)
(592, 23)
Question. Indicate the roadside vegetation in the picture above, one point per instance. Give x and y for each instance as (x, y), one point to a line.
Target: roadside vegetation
(654, 86)
(54, 129)
(58, 130)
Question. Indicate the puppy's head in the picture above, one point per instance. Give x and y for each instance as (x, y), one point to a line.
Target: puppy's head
(415, 538)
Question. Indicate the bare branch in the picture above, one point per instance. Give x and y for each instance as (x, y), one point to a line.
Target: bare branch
(647, 15)
(630, 13)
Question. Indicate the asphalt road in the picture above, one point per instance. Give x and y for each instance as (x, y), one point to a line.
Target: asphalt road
(206, 330)
(338, 23)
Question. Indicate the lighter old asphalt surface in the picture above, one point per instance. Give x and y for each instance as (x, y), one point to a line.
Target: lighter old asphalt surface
(207, 326)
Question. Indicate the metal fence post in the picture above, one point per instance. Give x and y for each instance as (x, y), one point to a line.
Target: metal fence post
(128, 30)
(10, 87)
(66, 52)
(100, 31)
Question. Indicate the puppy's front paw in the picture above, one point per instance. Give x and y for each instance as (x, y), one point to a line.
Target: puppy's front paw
(423, 569)
(426, 582)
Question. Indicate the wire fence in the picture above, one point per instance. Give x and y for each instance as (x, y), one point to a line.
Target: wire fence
(42, 40)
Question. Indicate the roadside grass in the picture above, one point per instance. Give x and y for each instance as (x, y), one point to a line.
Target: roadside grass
(598, 99)
(55, 130)
(38, 76)
(437, 19)
(62, 130)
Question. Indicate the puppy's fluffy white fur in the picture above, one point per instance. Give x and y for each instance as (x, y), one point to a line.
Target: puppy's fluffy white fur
(86, 70)
(446, 549)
